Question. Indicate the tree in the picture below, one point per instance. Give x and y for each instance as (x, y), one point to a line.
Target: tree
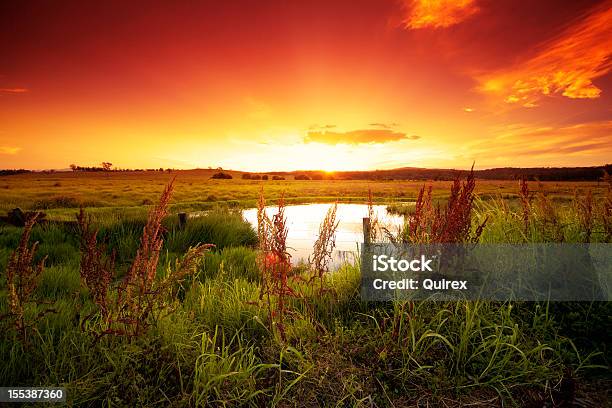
(106, 166)
(74, 167)
(221, 175)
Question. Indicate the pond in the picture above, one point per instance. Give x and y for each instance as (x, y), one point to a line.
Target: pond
(303, 227)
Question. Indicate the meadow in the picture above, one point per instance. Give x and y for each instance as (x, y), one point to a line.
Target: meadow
(236, 325)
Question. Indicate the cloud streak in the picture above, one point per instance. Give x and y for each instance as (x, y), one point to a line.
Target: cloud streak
(437, 13)
(361, 136)
(553, 144)
(9, 150)
(13, 91)
(565, 65)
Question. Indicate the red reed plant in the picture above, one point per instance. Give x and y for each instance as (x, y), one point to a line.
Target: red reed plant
(324, 246)
(97, 270)
(140, 298)
(275, 263)
(22, 277)
(451, 224)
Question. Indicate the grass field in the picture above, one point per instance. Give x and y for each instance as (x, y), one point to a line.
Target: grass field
(64, 192)
(214, 341)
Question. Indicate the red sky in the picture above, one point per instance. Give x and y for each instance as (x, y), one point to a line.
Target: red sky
(257, 85)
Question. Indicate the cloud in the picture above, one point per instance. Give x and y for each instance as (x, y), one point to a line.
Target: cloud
(9, 150)
(565, 65)
(437, 13)
(361, 136)
(384, 125)
(13, 91)
(320, 127)
(581, 141)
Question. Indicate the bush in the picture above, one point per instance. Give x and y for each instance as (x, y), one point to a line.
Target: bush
(277, 178)
(301, 177)
(222, 175)
(246, 176)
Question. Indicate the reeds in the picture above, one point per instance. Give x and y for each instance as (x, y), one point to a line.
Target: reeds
(525, 198)
(323, 247)
(374, 222)
(275, 262)
(97, 270)
(606, 209)
(451, 224)
(550, 224)
(136, 295)
(584, 208)
(22, 277)
(140, 298)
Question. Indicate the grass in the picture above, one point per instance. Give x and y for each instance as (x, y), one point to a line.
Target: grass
(126, 194)
(219, 345)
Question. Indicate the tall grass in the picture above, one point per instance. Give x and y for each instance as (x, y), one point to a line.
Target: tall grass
(22, 278)
(452, 223)
(324, 246)
(215, 342)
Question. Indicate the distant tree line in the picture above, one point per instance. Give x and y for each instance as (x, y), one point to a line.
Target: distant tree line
(107, 166)
(249, 176)
(12, 172)
(506, 173)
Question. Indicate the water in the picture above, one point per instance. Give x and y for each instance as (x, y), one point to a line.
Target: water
(303, 227)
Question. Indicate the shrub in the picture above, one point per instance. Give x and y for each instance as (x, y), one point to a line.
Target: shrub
(277, 178)
(301, 177)
(221, 175)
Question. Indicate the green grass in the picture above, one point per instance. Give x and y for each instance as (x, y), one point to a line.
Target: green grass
(61, 194)
(216, 348)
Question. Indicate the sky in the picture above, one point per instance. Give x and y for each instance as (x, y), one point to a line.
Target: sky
(290, 85)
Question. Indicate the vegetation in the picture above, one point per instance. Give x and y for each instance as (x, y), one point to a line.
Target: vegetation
(146, 313)
(222, 176)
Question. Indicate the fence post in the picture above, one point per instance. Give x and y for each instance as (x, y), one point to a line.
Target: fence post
(367, 231)
(182, 220)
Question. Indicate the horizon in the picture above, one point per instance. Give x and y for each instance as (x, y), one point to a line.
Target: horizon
(336, 86)
(213, 168)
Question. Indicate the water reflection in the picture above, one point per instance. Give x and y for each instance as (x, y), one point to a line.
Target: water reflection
(303, 224)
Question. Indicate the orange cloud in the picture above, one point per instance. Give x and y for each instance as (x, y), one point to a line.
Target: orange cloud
(9, 150)
(565, 65)
(361, 136)
(437, 13)
(585, 142)
(13, 91)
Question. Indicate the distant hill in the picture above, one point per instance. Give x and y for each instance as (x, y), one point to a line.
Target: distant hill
(593, 173)
(503, 173)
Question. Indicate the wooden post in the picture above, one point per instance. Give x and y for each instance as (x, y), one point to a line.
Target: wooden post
(182, 220)
(366, 231)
